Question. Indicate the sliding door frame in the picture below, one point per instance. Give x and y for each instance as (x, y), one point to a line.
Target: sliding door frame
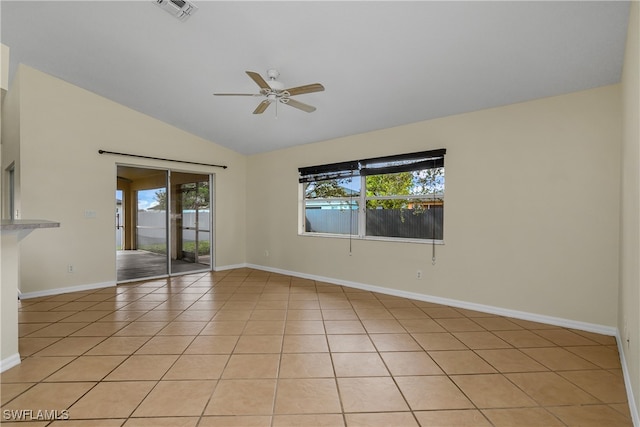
(167, 220)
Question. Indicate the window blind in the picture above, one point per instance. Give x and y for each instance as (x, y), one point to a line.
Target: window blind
(329, 171)
(374, 166)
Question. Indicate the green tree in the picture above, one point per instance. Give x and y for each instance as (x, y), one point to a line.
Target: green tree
(329, 188)
(161, 198)
(193, 196)
(428, 181)
(391, 184)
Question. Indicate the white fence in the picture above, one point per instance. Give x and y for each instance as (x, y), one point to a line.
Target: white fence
(151, 228)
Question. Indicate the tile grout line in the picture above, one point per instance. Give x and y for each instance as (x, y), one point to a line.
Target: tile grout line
(357, 301)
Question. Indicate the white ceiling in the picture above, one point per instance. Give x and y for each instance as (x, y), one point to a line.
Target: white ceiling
(383, 63)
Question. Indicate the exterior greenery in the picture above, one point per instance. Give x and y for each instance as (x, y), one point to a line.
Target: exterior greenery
(191, 199)
(161, 248)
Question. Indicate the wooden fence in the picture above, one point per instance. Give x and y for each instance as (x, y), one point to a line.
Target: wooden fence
(402, 223)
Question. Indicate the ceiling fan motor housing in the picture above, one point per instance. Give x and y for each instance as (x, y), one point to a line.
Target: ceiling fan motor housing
(273, 74)
(273, 82)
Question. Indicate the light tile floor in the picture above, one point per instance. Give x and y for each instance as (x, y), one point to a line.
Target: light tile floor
(250, 348)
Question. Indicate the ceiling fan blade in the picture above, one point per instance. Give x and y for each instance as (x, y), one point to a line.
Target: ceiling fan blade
(299, 90)
(258, 79)
(300, 105)
(262, 106)
(237, 94)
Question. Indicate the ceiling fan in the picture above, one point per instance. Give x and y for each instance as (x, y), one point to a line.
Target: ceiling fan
(274, 91)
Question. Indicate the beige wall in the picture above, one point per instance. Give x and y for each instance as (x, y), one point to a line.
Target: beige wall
(9, 251)
(62, 127)
(629, 316)
(11, 144)
(4, 67)
(531, 209)
(8, 241)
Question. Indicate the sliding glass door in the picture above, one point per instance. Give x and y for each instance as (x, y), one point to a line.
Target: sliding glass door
(151, 229)
(191, 221)
(163, 223)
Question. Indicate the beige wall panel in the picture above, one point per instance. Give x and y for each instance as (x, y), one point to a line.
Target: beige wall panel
(9, 250)
(531, 209)
(11, 144)
(62, 129)
(4, 67)
(629, 317)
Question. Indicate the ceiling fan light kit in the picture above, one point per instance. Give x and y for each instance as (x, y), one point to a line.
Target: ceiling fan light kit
(274, 91)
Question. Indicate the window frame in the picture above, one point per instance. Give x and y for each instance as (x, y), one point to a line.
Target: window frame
(362, 198)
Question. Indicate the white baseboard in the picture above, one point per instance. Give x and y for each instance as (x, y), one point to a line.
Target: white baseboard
(10, 362)
(633, 409)
(14, 360)
(557, 321)
(66, 290)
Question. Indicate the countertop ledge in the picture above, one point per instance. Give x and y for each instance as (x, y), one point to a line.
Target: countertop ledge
(26, 224)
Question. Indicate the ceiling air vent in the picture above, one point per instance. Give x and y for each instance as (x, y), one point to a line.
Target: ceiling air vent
(181, 9)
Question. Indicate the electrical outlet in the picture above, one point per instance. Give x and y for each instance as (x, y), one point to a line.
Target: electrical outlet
(70, 268)
(419, 274)
(266, 253)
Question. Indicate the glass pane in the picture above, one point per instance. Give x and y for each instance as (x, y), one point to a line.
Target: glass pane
(428, 181)
(389, 214)
(331, 206)
(408, 218)
(152, 224)
(141, 223)
(332, 188)
(119, 220)
(331, 216)
(191, 222)
(195, 221)
(417, 183)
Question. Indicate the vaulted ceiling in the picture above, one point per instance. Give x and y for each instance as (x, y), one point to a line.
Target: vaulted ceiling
(383, 63)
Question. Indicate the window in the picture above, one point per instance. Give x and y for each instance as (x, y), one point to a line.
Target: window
(393, 197)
